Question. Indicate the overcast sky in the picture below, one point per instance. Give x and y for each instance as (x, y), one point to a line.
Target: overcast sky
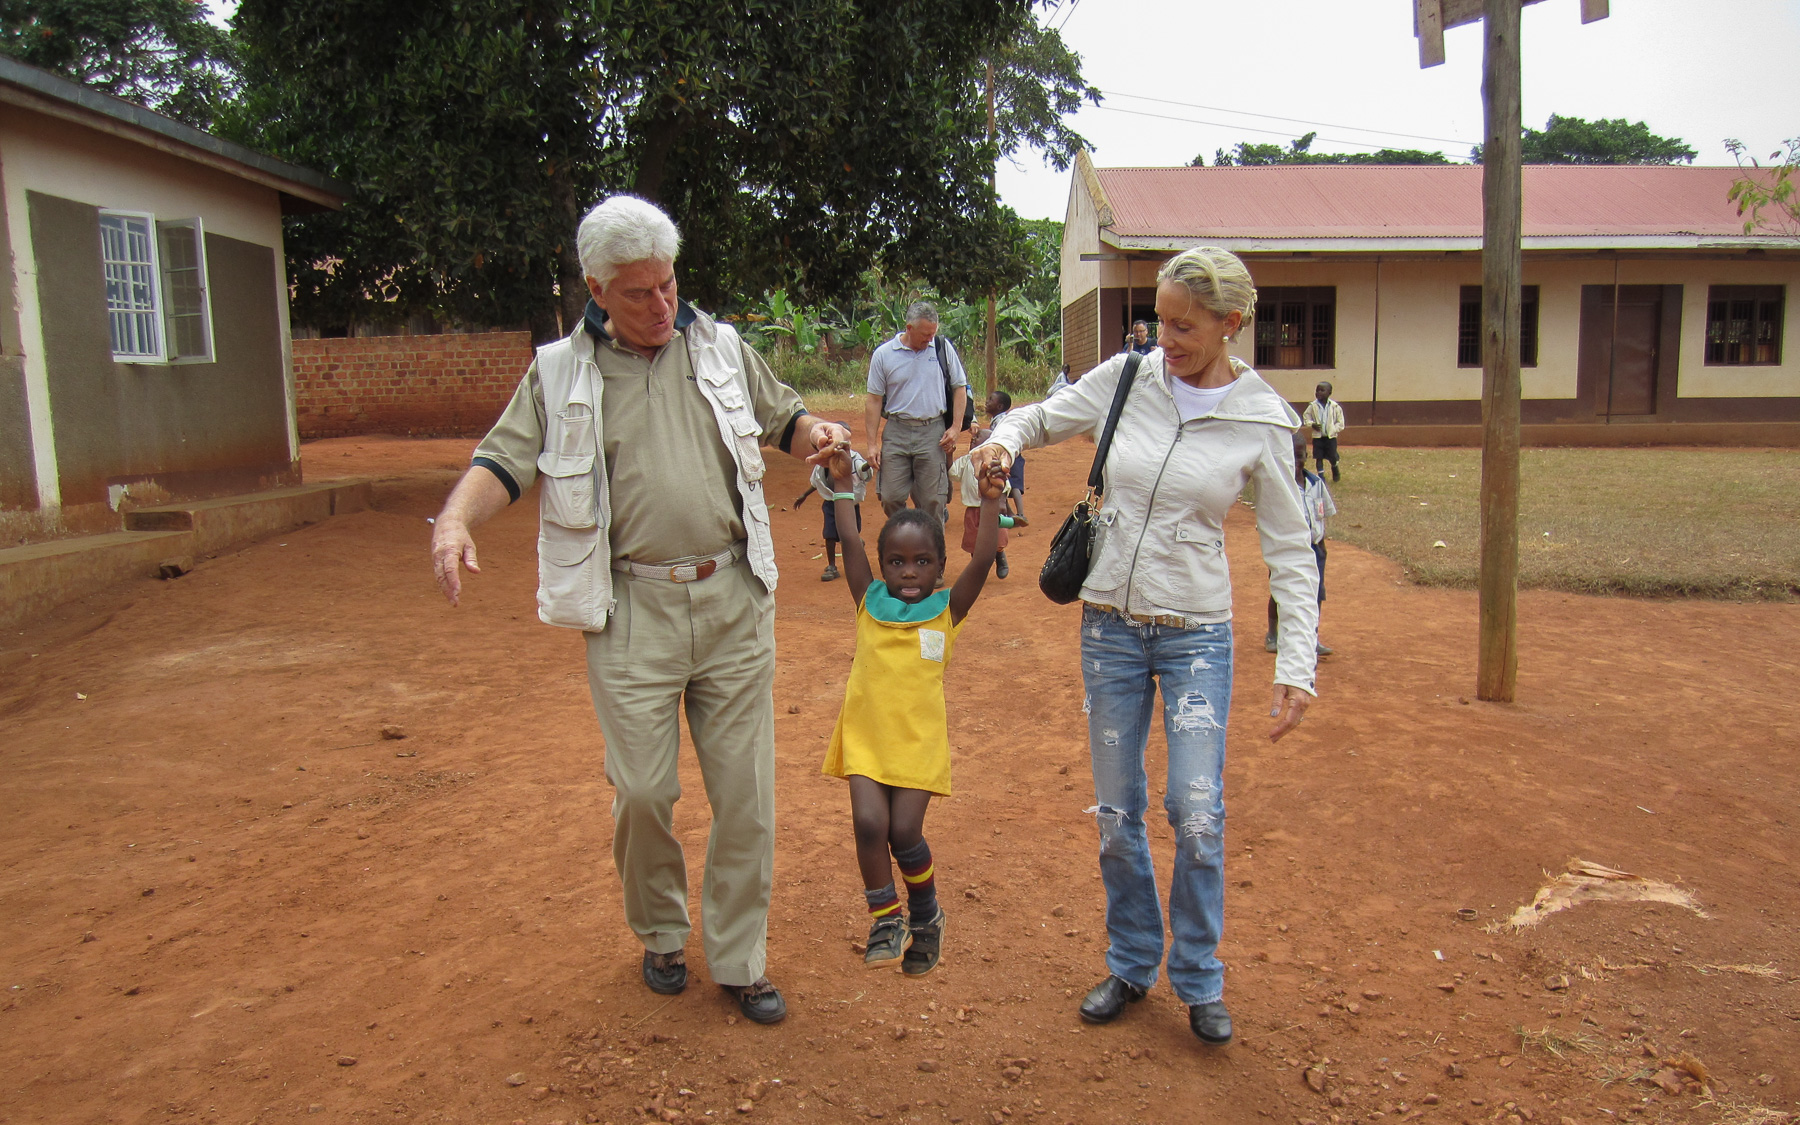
(1697, 70)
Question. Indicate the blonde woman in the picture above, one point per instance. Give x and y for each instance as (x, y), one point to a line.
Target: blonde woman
(1197, 426)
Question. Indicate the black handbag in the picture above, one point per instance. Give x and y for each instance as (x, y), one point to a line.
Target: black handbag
(1066, 568)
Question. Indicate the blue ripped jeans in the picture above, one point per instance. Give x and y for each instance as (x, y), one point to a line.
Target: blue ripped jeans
(1122, 663)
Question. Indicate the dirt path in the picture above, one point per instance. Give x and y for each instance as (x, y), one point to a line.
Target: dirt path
(225, 897)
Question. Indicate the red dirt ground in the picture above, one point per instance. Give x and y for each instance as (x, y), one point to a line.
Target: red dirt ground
(228, 898)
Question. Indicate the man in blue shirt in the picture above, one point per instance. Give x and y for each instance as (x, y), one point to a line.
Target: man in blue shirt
(909, 442)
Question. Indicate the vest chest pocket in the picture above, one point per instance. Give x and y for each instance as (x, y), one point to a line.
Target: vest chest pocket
(571, 431)
(749, 443)
(567, 489)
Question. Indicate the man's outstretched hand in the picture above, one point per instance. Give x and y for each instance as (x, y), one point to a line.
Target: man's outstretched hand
(451, 548)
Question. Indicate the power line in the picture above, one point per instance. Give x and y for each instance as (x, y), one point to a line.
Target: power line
(1068, 14)
(1239, 128)
(1276, 117)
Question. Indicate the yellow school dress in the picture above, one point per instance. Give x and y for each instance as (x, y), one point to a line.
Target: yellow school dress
(893, 727)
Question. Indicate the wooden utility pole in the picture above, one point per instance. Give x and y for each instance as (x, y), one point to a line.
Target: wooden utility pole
(993, 331)
(1497, 671)
(1497, 667)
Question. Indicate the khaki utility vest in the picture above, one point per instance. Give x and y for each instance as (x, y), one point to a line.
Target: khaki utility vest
(575, 585)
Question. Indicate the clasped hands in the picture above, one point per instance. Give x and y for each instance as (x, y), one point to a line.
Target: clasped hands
(831, 448)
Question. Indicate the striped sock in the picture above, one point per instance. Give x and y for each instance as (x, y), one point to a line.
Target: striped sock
(882, 902)
(921, 881)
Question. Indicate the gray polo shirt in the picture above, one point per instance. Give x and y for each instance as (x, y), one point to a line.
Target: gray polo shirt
(912, 380)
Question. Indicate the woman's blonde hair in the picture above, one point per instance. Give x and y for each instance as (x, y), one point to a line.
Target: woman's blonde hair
(1216, 279)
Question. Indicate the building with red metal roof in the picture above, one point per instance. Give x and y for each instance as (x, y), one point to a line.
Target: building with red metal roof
(1645, 300)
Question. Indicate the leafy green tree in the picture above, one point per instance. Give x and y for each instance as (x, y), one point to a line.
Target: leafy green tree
(1299, 151)
(796, 143)
(1037, 84)
(1044, 282)
(1767, 192)
(161, 54)
(1571, 140)
(467, 132)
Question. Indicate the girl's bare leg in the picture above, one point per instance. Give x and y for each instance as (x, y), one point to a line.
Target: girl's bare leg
(871, 817)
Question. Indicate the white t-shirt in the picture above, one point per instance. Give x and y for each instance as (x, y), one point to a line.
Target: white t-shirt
(1191, 401)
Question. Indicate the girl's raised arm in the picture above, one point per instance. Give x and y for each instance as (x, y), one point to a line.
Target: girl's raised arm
(987, 543)
(857, 574)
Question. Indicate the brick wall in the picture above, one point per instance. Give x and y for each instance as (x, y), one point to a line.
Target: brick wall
(452, 385)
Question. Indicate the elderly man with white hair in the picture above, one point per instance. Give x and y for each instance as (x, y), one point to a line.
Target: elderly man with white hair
(643, 430)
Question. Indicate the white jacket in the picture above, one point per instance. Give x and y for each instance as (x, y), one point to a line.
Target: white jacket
(1159, 545)
(574, 498)
(1326, 421)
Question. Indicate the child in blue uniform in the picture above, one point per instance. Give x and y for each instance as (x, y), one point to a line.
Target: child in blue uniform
(892, 740)
(860, 472)
(1316, 499)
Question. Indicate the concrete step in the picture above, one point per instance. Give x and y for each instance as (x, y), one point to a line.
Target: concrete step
(37, 579)
(230, 520)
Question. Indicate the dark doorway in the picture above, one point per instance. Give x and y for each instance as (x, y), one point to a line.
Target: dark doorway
(1623, 335)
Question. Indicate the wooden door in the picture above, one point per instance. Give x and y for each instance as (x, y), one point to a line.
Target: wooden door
(1621, 333)
(1637, 328)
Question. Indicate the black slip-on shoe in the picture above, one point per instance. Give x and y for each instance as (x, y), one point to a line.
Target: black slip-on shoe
(1211, 1022)
(760, 1002)
(665, 973)
(1108, 999)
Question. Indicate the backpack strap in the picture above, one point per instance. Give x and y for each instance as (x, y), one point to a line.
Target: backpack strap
(937, 344)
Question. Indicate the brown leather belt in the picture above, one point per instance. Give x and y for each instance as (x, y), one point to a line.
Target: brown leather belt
(1175, 620)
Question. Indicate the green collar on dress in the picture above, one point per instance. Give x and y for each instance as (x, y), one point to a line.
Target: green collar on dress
(889, 610)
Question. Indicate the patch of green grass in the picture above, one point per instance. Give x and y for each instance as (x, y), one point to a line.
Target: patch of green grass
(1718, 523)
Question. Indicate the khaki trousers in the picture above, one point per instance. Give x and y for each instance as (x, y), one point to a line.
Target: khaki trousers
(913, 465)
(707, 647)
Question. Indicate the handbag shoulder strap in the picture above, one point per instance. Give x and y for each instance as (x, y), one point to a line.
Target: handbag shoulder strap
(1096, 475)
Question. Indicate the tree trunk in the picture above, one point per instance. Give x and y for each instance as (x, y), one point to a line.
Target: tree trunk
(571, 279)
(544, 325)
(991, 341)
(653, 150)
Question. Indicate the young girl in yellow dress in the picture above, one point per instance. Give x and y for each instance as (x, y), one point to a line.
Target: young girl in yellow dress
(892, 740)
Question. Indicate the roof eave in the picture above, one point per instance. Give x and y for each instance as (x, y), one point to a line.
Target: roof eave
(1440, 243)
(302, 190)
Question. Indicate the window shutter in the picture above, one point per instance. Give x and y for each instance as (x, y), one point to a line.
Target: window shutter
(187, 312)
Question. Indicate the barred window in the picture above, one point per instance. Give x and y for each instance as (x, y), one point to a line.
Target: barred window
(1743, 325)
(1468, 327)
(156, 298)
(128, 255)
(1296, 327)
